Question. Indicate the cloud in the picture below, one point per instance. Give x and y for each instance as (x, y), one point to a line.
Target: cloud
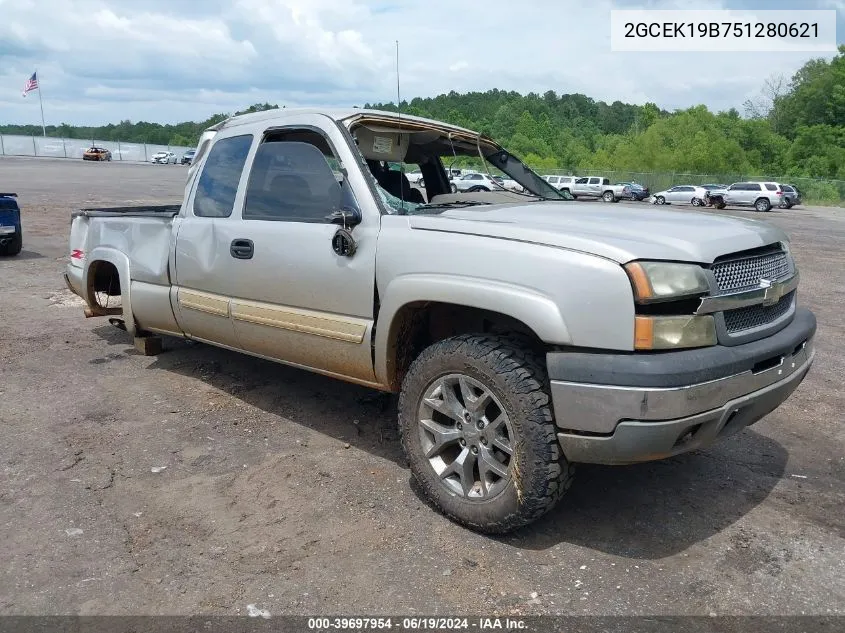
(106, 60)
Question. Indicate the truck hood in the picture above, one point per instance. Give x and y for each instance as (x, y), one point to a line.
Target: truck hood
(621, 233)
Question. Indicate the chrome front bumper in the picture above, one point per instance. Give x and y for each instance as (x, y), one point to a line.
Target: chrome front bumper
(618, 424)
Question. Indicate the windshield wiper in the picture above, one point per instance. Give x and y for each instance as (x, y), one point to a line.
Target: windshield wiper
(444, 205)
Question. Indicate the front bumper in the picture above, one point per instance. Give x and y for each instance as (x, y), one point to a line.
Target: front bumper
(626, 408)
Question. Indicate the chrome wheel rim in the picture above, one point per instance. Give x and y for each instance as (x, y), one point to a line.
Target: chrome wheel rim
(466, 437)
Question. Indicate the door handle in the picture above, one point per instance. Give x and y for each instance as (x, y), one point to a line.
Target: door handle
(241, 249)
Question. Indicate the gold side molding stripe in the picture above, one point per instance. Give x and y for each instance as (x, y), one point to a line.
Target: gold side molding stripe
(203, 302)
(317, 323)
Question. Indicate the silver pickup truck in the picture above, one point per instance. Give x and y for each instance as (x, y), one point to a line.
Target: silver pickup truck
(524, 332)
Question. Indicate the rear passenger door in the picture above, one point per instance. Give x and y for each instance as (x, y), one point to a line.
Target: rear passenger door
(205, 279)
(595, 186)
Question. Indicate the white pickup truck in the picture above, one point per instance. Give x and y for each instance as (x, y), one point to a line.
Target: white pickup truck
(524, 332)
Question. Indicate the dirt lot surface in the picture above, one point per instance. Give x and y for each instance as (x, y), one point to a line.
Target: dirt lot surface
(202, 480)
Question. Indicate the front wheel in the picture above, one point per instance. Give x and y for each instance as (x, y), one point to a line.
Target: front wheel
(660, 200)
(478, 430)
(454, 188)
(422, 182)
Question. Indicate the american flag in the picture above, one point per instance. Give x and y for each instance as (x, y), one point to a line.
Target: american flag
(31, 84)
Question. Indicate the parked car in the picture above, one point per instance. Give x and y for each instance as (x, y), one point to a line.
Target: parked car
(682, 194)
(188, 157)
(11, 232)
(163, 158)
(512, 185)
(519, 331)
(791, 196)
(96, 153)
(636, 191)
(475, 182)
(760, 195)
(561, 182)
(416, 177)
(597, 187)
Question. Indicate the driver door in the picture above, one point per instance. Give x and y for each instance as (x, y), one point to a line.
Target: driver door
(297, 300)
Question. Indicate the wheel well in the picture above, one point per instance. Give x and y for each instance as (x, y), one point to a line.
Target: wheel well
(103, 283)
(421, 324)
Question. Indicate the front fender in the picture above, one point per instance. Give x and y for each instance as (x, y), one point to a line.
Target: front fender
(121, 263)
(538, 311)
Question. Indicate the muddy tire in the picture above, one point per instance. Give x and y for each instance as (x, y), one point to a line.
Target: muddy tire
(477, 427)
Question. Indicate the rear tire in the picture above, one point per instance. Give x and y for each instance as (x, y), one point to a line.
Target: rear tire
(477, 427)
(697, 202)
(608, 196)
(763, 205)
(454, 188)
(14, 247)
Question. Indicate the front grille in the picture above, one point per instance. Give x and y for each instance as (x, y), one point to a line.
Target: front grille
(751, 317)
(745, 272)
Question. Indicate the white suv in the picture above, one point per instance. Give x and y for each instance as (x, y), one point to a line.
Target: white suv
(760, 195)
(560, 182)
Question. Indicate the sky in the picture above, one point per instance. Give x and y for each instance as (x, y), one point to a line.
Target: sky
(102, 61)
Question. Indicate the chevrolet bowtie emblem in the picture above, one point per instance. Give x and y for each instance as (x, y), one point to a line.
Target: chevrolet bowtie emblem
(773, 292)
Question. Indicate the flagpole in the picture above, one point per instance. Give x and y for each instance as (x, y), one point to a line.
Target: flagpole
(41, 103)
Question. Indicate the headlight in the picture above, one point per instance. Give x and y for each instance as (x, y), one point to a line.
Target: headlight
(665, 281)
(674, 332)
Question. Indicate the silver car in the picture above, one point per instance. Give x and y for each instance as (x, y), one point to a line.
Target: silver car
(681, 194)
(760, 195)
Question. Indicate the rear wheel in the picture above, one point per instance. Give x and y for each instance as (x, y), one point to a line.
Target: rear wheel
(478, 188)
(608, 196)
(697, 202)
(477, 427)
(763, 205)
(14, 246)
(454, 188)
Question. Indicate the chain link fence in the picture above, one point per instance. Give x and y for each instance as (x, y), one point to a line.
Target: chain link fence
(51, 147)
(812, 190)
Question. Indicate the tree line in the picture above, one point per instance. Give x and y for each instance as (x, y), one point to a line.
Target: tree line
(795, 128)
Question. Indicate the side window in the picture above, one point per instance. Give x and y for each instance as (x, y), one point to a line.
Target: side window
(595, 181)
(477, 177)
(581, 181)
(754, 187)
(215, 196)
(606, 181)
(294, 178)
(771, 187)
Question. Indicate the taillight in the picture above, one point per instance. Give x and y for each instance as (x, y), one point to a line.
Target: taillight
(778, 193)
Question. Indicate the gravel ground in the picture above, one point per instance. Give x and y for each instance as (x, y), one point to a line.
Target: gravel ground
(201, 480)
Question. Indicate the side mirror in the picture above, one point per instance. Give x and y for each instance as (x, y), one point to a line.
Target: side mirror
(347, 217)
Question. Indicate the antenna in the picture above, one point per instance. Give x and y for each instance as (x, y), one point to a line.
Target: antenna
(399, 124)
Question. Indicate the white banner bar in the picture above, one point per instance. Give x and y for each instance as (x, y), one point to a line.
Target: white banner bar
(658, 30)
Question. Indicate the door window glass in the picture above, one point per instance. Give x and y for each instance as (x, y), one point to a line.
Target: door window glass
(218, 184)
